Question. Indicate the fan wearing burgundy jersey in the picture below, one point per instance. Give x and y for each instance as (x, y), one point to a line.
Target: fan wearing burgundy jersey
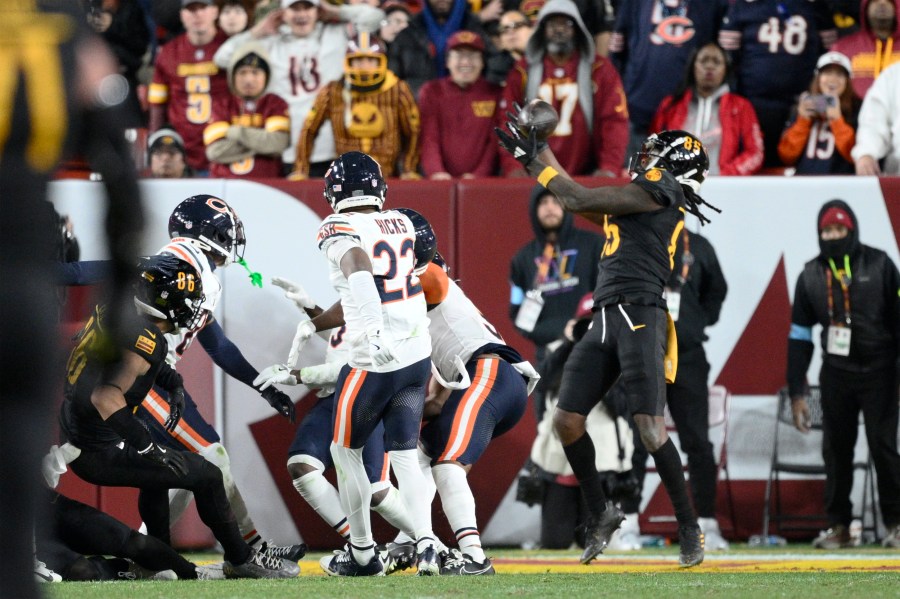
(186, 80)
(249, 128)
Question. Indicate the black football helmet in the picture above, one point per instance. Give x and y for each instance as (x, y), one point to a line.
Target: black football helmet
(169, 288)
(354, 180)
(211, 224)
(426, 242)
(675, 151)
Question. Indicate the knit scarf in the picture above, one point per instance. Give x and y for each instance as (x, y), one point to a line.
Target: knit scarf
(439, 34)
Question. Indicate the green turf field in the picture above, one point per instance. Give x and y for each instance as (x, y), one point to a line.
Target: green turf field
(794, 571)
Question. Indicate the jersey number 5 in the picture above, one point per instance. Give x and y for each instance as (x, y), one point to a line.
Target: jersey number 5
(392, 286)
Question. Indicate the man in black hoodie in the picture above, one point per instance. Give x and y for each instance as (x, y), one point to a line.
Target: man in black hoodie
(851, 290)
(552, 272)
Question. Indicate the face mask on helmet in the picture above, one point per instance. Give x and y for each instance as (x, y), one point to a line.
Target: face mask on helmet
(169, 288)
(426, 243)
(212, 225)
(365, 77)
(354, 180)
(678, 152)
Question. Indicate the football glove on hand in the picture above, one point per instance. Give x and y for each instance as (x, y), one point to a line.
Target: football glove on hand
(170, 458)
(176, 408)
(305, 330)
(294, 292)
(523, 148)
(280, 401)
(276, 374)
(380, 349)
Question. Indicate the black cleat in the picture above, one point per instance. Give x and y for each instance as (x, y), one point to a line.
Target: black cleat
(397, 556)
(428, 563)
(458, 564)
(341, 563)
(691, 544)
(598, 530)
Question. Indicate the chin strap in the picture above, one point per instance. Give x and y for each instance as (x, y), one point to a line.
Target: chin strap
(255, 277)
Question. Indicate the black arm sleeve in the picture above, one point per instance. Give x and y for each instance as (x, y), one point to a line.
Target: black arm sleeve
(168, 378)
(129, 428)
(714, 288)
(799, 356)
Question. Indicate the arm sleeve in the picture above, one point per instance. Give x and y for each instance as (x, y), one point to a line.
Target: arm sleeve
(873, 133)
(610, 118)
(844, 137)
(432, 161)
(226, 354)
(512, 93)
(410, 127)
(320, 375)
(750, 159)
(714, 288)
(310, 129)
(800, 345)
(793, 140)
(435, 284)
(259, 140)
(168, 378)
(364, 292)
(87, 272)
(223, 55)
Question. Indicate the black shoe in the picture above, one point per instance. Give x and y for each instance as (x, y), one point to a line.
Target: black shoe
(291, 553)
(691, 544)
(458, 564)
(342, 563)
(428, 563)
(598, 530)
(397, 556)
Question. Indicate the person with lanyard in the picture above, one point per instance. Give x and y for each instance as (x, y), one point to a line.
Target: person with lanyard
(851, 290)
(694, 295)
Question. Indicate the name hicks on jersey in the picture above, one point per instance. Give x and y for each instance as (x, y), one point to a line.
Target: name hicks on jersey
(391, 226)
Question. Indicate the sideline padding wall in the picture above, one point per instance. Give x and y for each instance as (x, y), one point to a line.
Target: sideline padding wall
(763, 237)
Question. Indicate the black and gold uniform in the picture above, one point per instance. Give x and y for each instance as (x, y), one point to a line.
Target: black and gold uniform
(630, 329)
(80, 422)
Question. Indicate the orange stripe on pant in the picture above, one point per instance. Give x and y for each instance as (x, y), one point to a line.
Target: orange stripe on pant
(184, 433)
(342, 422)
(467, 410)
(386, 468)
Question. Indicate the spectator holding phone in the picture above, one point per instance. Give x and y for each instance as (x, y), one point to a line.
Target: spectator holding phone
(819, 140)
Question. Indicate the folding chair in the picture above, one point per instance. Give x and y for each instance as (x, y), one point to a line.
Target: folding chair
(719, 409)
(787, 464)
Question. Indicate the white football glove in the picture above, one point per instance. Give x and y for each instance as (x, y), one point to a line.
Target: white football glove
(295, 292)
(381, 350)
(305, 330)
(276, 374)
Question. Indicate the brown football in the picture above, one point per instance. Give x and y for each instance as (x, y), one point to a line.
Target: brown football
(540, 116)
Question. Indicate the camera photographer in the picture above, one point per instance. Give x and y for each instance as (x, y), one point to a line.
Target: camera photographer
(819, 140)
(552, 482)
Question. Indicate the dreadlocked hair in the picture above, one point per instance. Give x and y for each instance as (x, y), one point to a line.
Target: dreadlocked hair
(693, 202)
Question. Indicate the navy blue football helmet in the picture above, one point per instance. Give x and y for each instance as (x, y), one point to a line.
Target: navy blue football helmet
(426, 242)
(678, 152)
(354, 180)
(211, 224)
(169, 288)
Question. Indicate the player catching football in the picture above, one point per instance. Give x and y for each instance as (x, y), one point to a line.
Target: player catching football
(632, 334)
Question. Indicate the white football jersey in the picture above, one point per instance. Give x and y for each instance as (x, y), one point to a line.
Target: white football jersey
(324, 376)
(212, 290)
(388, 238)
(457, 328)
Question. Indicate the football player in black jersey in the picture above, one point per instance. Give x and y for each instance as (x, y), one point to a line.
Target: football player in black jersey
(631, 333)
(116, 450)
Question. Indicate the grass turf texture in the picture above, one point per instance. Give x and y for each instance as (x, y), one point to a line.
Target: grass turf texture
(789, 572)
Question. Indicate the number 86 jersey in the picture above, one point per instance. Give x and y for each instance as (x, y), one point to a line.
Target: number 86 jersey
(388, 239)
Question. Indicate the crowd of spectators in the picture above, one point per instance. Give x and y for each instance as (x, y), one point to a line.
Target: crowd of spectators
(770, 86)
